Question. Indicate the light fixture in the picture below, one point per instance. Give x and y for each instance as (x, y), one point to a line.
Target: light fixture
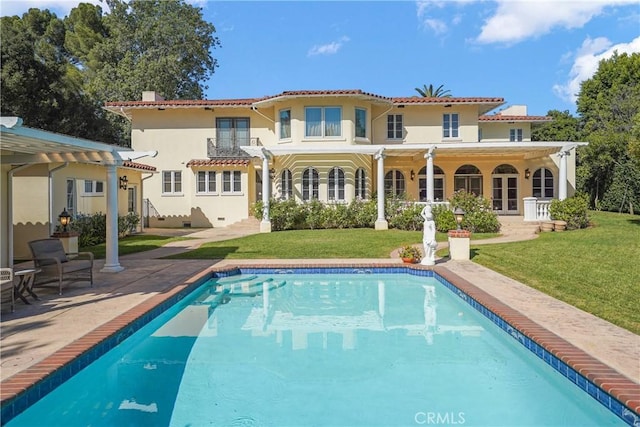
(459, 214)
(64, 219)
(123, 182)
(413, 175)
(527, 173)
(272, 173)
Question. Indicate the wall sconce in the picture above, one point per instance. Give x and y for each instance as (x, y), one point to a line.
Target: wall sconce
(64, 219)
(272, 173)
(413, 175)
(123, 182)
(527, 173)
(459, 214)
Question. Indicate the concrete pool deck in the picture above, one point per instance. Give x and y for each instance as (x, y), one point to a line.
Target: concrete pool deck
(35, 332)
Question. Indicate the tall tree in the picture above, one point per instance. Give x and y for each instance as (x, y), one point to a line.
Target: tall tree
(609, 103)
(564, 127)
(431, 92)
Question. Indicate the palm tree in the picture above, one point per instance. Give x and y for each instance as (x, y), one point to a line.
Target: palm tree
(430, 92)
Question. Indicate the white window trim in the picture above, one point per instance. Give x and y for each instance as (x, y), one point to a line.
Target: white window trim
(394, 127)
(208, 191)
(232, 175)
(172, 193)
(93, 192)
(451, 138)
(322, 108)
(518, 135)
(336, 185)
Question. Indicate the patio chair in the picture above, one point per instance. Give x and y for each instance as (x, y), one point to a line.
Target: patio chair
(58, 266)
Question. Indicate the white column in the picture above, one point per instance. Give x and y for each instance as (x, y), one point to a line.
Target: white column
(111, 264)
(381, 222)
(430, 186)
(562, 179)
(265, 224)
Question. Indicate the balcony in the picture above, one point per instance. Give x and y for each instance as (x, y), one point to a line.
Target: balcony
(230, 147)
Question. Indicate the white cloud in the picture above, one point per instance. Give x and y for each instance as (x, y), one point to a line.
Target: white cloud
(586, 61)
(329, 48)
(438, 26)
(515, 21)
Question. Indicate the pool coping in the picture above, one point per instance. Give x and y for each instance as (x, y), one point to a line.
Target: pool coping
(24, 388)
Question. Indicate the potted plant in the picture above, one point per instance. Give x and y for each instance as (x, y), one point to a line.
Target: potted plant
(410, 254)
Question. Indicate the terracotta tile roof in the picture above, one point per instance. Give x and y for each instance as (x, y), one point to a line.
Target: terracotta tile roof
(184, 103)
(503, 118)
(140, 166)
(446, 100)
(218, 162)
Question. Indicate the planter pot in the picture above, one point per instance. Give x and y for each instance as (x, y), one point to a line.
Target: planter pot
(546, 226)
(559, 225)
(409, 260)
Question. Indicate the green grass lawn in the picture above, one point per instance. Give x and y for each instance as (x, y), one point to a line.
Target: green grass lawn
(595, 269)
(132, 244)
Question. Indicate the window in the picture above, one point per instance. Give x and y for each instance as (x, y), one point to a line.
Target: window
(231, 133)
(93, 188)
(394, 183)
(515, 134)
(543, 183)
(132, 199)
(71, 197)
(310, 184)
(450, 125)
(468, 178)
(172, 182)
(323, 122)
(361, 184)
(361, 123)
(285, 124)
(336, 184)
(231, 181)
(438, 184)
(206, 182)
(286, 183)
(394, 126)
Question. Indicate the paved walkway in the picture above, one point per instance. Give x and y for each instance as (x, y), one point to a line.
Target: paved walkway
(33, 332)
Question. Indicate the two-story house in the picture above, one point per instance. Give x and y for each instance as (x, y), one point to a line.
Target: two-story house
(218, 157)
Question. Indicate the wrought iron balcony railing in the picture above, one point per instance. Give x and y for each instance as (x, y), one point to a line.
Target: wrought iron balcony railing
(230, 147)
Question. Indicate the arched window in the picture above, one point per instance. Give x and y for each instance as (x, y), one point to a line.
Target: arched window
(336, 184)
(438, 184)
(394, 183)
(361, 183)
(286, 185)
(543, 183)
(505, 169)
(310, 184)
(468, 178)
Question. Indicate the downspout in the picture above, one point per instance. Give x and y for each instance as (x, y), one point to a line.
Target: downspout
(142, 200)
(51, 226)
(10, 212)
(254, 108)
(376, 118)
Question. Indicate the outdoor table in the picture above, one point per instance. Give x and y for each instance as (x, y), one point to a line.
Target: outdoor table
(25, 283)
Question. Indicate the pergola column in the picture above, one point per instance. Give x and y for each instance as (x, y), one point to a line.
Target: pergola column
(265, 224)
(562, 179)
(430, 185)
(381, 222)
(111, 264)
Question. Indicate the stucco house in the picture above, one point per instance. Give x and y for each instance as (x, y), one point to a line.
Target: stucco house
(44, 173)
(218, 157)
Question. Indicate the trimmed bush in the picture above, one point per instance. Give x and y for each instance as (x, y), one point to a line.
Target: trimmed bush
(572, 210)
(479, 216)
(92, 229)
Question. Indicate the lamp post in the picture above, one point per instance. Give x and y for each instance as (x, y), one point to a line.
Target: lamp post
(459, 214)
(64, 219)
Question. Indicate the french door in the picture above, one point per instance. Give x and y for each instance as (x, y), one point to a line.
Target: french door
(505, 194)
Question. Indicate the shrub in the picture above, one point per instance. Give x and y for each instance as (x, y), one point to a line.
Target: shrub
(92, 229)
(444, 218)
(573, 210)
(479, 216)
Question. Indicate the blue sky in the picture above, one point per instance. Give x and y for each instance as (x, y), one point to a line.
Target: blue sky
(527, 52)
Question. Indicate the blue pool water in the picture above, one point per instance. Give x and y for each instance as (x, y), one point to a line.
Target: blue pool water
(322, 350)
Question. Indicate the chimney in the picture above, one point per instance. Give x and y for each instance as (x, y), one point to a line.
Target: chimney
(151, 96)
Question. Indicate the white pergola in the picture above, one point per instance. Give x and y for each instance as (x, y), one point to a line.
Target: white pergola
(23, 146)
(528, 150)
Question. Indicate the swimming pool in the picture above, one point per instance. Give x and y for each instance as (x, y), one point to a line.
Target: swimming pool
(299, 349)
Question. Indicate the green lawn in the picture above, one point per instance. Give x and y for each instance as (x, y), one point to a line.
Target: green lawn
(133, 244)
(595, 269)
